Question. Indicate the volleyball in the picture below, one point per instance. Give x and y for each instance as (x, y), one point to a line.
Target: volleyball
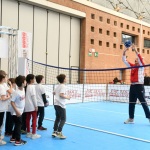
(127, 43)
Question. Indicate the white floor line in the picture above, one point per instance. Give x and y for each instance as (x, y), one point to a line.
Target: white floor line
(109, 111)
(104, 131)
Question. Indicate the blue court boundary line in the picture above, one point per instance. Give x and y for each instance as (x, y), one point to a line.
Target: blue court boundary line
(104, 131)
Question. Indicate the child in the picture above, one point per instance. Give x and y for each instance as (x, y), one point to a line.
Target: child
(3, 102)
(9, 120)
(31, 107)
(60, 107)
(18, 104)
(41, 100)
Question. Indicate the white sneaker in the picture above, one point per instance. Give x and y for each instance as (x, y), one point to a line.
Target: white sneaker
(2, 142)
(1, 137)
(54, 134)
(29, 135)
(35, 136)
(129, 121)
(60, 135)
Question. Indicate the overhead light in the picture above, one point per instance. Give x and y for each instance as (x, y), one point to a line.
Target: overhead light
(117, 8)
(140, 17)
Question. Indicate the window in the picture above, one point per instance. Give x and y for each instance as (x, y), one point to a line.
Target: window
(133, 28)
(108, 32)
(139, 30)
(128, 37)
(100, 43)
(143, 50)
(92, 16)
(127, 26)
(115, 34)
(100, 31)
(143, 31)
(138, 49)
(147, 51)
(115, 23)
(114, 45)
(148, 32)
(108, 21)
(92, 41)
(121, 46)
(101, 18)
(146, 43)
(92, 29)
(121, 25)
(107, 44)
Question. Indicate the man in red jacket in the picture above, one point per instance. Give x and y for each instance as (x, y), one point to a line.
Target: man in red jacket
(137, 85)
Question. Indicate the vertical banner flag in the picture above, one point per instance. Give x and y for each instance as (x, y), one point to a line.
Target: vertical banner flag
(24, 44)
(24, 51)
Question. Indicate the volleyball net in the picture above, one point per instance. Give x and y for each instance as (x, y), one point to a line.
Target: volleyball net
(84, 85)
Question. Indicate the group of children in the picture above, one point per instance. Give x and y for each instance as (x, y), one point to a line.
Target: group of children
(21, 100)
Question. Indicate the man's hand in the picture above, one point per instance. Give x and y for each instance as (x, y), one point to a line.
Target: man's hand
(124, 52)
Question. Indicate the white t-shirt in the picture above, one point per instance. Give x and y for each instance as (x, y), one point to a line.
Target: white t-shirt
(8, 101)
(3, 104)
(18, 97)
(30, 104)
(61, 88)
(39, 88)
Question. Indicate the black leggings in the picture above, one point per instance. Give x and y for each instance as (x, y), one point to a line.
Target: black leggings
(137, 91)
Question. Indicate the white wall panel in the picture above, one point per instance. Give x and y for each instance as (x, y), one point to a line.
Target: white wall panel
(9, 19)
(75, 48)
(10, 13)
(75, 42)
(0, 13)
(64, 41)
(40, 22)
(53, 37)
(26, 17)
(39, 50)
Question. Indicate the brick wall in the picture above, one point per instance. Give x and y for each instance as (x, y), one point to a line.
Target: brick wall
(103, 32)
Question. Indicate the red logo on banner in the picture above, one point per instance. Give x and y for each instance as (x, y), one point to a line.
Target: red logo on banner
(24, 40)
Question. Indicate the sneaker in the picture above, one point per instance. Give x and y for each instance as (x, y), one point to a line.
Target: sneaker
(129, 121)
(35, 136)
(41, 128)
(23, 132)
(2, 142)
(12, 140)
(54, 134)
(1, 137)
(21, 142)
(60, 135)
(29, 135)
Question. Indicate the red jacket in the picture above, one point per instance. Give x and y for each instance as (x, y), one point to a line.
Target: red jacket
(137, 74)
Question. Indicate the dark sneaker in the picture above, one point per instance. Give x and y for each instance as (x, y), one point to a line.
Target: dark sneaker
(42, 128)
(12, 140)
(21, 142)
(23, 132)
(54, 134)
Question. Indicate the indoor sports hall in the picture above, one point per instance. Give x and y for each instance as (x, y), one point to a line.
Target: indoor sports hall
(102, 48)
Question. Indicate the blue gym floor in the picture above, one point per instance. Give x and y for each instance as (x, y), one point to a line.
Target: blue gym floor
(92, 126)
